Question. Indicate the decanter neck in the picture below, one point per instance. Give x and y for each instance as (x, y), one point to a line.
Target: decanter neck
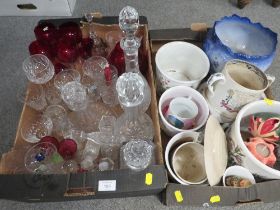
(130, 45)
(132, 113)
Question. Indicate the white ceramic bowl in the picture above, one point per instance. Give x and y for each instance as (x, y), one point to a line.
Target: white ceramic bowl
(183, 91)
(240, 172)
(183, 163)
(245, 157)
(173, 143)
(180, 63)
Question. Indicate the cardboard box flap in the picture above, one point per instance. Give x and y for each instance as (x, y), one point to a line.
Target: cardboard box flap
(184, 34)
(33, 187)
(203, 195)
(268, 191)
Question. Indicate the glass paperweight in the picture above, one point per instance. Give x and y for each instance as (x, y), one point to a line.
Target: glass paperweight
(133, 123)
(33, 130)
(236, 37)
(42, 158)
(74, 95)
(38, 69)
(138, 154)
(129, 23)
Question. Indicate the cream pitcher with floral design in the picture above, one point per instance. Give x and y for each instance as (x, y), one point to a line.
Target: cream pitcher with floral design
(239, 84)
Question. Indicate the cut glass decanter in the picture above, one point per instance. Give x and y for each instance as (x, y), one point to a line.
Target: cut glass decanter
(133, 123)
(129, 23)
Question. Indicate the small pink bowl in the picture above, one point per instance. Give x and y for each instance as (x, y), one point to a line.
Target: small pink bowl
(182, 91)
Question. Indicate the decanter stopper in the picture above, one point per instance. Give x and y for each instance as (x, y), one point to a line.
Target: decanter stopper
(130, 88)
(129, 20)
(129, 23)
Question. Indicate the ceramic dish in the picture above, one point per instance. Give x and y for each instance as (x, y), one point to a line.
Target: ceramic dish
(182, 91)
(188, 163)
(177, 140)
(180, 63)
(238, 150)
(215, 151)
(236, 37)
(240, 172)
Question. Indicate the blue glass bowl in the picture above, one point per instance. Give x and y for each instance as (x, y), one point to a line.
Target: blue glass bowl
(237, 37)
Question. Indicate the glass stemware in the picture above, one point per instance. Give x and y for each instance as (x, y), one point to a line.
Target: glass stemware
(129, 23)
(52, 94)
(105, 164)
(74, 95)
(58, 115)
(99, 46)
(90, 154)
(108, 87)
(38, 69)
(42, 158)
(70, 166)
(33, 130)
(93, 68)
(112, 38)
(65, 76)
(33, 97)
(133, 123)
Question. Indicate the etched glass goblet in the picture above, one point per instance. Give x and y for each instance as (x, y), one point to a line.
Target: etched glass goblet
(33, 130)
(74, 95)
(33, 97)
(65, 76)
(38, 69)
(58, 115)
(41, 158)
(107, 88)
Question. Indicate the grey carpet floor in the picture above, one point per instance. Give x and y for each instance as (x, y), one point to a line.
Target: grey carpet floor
(17, 32)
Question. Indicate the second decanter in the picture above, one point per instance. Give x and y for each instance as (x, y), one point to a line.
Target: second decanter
(133, 123)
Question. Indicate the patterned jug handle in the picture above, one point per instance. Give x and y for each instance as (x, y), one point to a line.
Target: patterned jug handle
(213, 79)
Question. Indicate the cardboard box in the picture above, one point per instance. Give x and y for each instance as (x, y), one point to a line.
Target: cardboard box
(37, 7)
(204, 195)
(122, 183)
